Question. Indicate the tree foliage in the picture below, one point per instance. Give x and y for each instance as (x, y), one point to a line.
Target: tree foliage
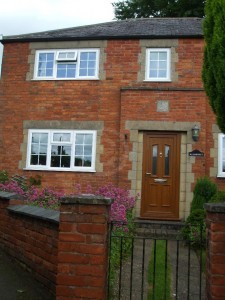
(213, 73)
(126, 9)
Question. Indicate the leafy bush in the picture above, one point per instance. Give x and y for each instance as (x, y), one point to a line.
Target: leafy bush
(219, 197)
(203, 192)
(4, 176)
(194, 231)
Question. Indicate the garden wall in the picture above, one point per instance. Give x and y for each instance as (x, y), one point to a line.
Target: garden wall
(30, 236)
(67, 251)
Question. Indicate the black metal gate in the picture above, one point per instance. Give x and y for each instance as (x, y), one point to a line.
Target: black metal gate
(156, 263)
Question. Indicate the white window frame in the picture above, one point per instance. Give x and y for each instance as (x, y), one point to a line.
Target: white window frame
(220, 173)
(147, 69)
(57, 61)
(50, 133)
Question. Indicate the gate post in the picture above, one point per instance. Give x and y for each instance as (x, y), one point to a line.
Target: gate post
(83, 248)
(215, 257)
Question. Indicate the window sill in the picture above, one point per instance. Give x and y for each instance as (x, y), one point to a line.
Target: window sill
(59, 170)
(64, 79)
(157, 80)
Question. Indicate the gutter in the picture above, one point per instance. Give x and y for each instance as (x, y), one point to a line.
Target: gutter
(9, 40)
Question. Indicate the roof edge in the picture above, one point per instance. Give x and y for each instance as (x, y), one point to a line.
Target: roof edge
(135, 37)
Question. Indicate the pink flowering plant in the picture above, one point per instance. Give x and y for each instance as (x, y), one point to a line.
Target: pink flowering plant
(122, 206)
(12, 186)
(33, 195)
(46, 197)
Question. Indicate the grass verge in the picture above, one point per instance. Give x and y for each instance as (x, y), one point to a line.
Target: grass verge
(159, 272)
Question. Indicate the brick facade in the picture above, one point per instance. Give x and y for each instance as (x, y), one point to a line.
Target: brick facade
(121, 101)
(215, 264)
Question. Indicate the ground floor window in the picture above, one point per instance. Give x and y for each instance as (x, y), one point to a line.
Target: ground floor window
(221, 155)
(64, 150)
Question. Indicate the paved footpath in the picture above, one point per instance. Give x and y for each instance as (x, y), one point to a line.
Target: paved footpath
(17, 283)
(185, 283)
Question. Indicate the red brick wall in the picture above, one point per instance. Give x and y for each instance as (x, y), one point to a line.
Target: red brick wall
(215, 266)
(31, 241)
(83, 251)
(70, 257)
(102, 101)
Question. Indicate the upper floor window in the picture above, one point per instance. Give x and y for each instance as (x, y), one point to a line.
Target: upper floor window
(221, 155)
(67, 64)
(61, 150)
(158, 64)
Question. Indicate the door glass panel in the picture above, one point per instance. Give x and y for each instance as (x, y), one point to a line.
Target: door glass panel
(167, 160)
(154, 159)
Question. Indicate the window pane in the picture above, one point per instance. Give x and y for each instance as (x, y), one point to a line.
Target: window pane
(55, 161)
(65, 162)
(87, 64)
(154, 159)
(78, 162)
(87, 150)
(83, 56)
(153, 65)
(162, 74)
(91, 72)
(153, 73)
(79, 138)
(34, 149)
(39, 148)
(60, 156)
(78, 150)
(153, 55)
(158, 64)
(162, 55)
(167, 160)
(42, 159)
(162, 65)
(87, 161)
(88, 139)
(61, 137)
(66, 70)
(45, 64)
(34, 160)
(83, 150)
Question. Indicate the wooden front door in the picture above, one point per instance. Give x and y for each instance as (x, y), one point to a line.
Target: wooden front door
(161, 176)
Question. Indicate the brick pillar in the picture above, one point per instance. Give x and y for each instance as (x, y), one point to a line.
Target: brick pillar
(83, 248)
(215, 260)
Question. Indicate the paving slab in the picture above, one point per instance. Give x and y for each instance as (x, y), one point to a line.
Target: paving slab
(16, 283)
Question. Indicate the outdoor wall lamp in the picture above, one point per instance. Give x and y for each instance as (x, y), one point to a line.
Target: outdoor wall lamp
(195, 133)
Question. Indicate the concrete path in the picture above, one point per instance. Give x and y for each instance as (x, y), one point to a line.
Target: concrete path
(17, 283)
(185, 280)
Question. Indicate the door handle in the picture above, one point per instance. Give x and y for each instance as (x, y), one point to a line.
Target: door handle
(160, 180)
(148, 173)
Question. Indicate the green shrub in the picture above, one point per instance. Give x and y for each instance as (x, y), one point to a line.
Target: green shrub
(204, 190)
(4, 176)
(194, 231)
(219, 197)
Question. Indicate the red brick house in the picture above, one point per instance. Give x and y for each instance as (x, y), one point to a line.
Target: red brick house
(112, 103)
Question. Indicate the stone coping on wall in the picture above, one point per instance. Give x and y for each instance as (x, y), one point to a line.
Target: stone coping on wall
(49, 215)
(10, 195)
(87, 199)
(215, 207)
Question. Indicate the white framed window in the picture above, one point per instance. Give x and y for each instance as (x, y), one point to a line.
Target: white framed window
(158, 64)
(221, 155)
(61, 150)
(66, 64)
